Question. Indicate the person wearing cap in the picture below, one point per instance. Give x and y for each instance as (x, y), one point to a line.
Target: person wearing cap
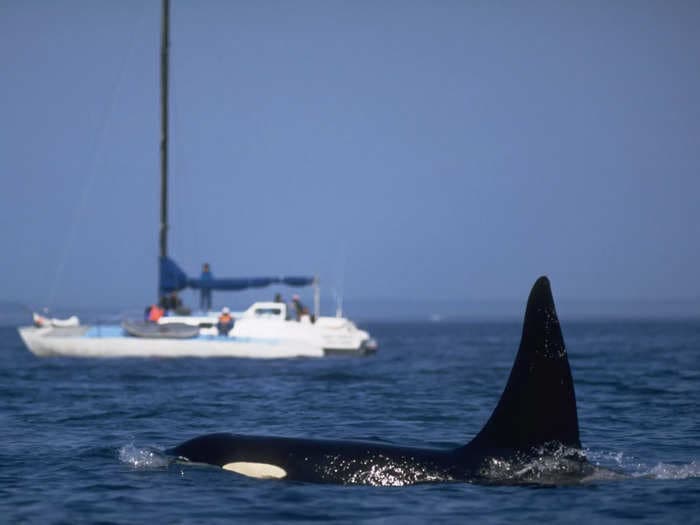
(225, 321)
(299, 308)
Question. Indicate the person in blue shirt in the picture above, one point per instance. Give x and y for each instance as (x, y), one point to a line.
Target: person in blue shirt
(205, 293)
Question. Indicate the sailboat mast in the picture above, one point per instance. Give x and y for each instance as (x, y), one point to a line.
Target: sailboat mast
(164, 59)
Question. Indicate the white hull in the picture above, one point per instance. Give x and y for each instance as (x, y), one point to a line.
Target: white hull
(261, 332)
(69, 343)
(75, 342)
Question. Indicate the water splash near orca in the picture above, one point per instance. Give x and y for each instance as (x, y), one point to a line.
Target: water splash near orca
(532, 435)
(142, 458)
(619, 465)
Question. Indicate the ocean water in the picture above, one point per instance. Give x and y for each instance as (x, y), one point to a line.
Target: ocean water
(81, 439)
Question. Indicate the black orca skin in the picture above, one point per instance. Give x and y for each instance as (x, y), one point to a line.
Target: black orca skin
(535, 418)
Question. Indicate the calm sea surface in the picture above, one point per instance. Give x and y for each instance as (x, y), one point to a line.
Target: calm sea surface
(80, 437)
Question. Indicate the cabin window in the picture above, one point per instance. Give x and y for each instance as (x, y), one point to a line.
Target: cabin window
(268, 312)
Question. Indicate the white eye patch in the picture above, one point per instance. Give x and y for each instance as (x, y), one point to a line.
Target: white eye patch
(256, 470)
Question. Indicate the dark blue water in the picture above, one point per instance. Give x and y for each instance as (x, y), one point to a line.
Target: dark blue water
(77, 436)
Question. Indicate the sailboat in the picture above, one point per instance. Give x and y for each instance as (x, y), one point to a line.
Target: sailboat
(264, 330)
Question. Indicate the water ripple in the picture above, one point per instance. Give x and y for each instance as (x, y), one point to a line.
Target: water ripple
(83, 439)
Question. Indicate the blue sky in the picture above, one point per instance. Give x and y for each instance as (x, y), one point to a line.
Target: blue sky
(405, 150)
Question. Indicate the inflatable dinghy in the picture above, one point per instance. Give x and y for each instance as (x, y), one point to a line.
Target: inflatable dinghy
(160, 331)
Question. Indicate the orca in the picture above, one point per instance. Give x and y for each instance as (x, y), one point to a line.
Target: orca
(532, 435)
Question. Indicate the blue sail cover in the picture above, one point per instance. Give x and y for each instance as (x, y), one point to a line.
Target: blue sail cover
(173, 279)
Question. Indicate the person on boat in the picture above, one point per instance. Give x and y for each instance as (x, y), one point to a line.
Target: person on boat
(278, 298)
(173, 303)
(154, 313)
(299, 308)
(169, 302)
(164, 302)
(180, 308)
(225, 321)
(205, 292)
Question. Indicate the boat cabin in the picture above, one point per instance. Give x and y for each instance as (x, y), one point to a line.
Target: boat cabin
(266, 310)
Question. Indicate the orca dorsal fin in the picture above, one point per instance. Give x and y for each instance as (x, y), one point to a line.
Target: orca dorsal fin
(538, 405)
